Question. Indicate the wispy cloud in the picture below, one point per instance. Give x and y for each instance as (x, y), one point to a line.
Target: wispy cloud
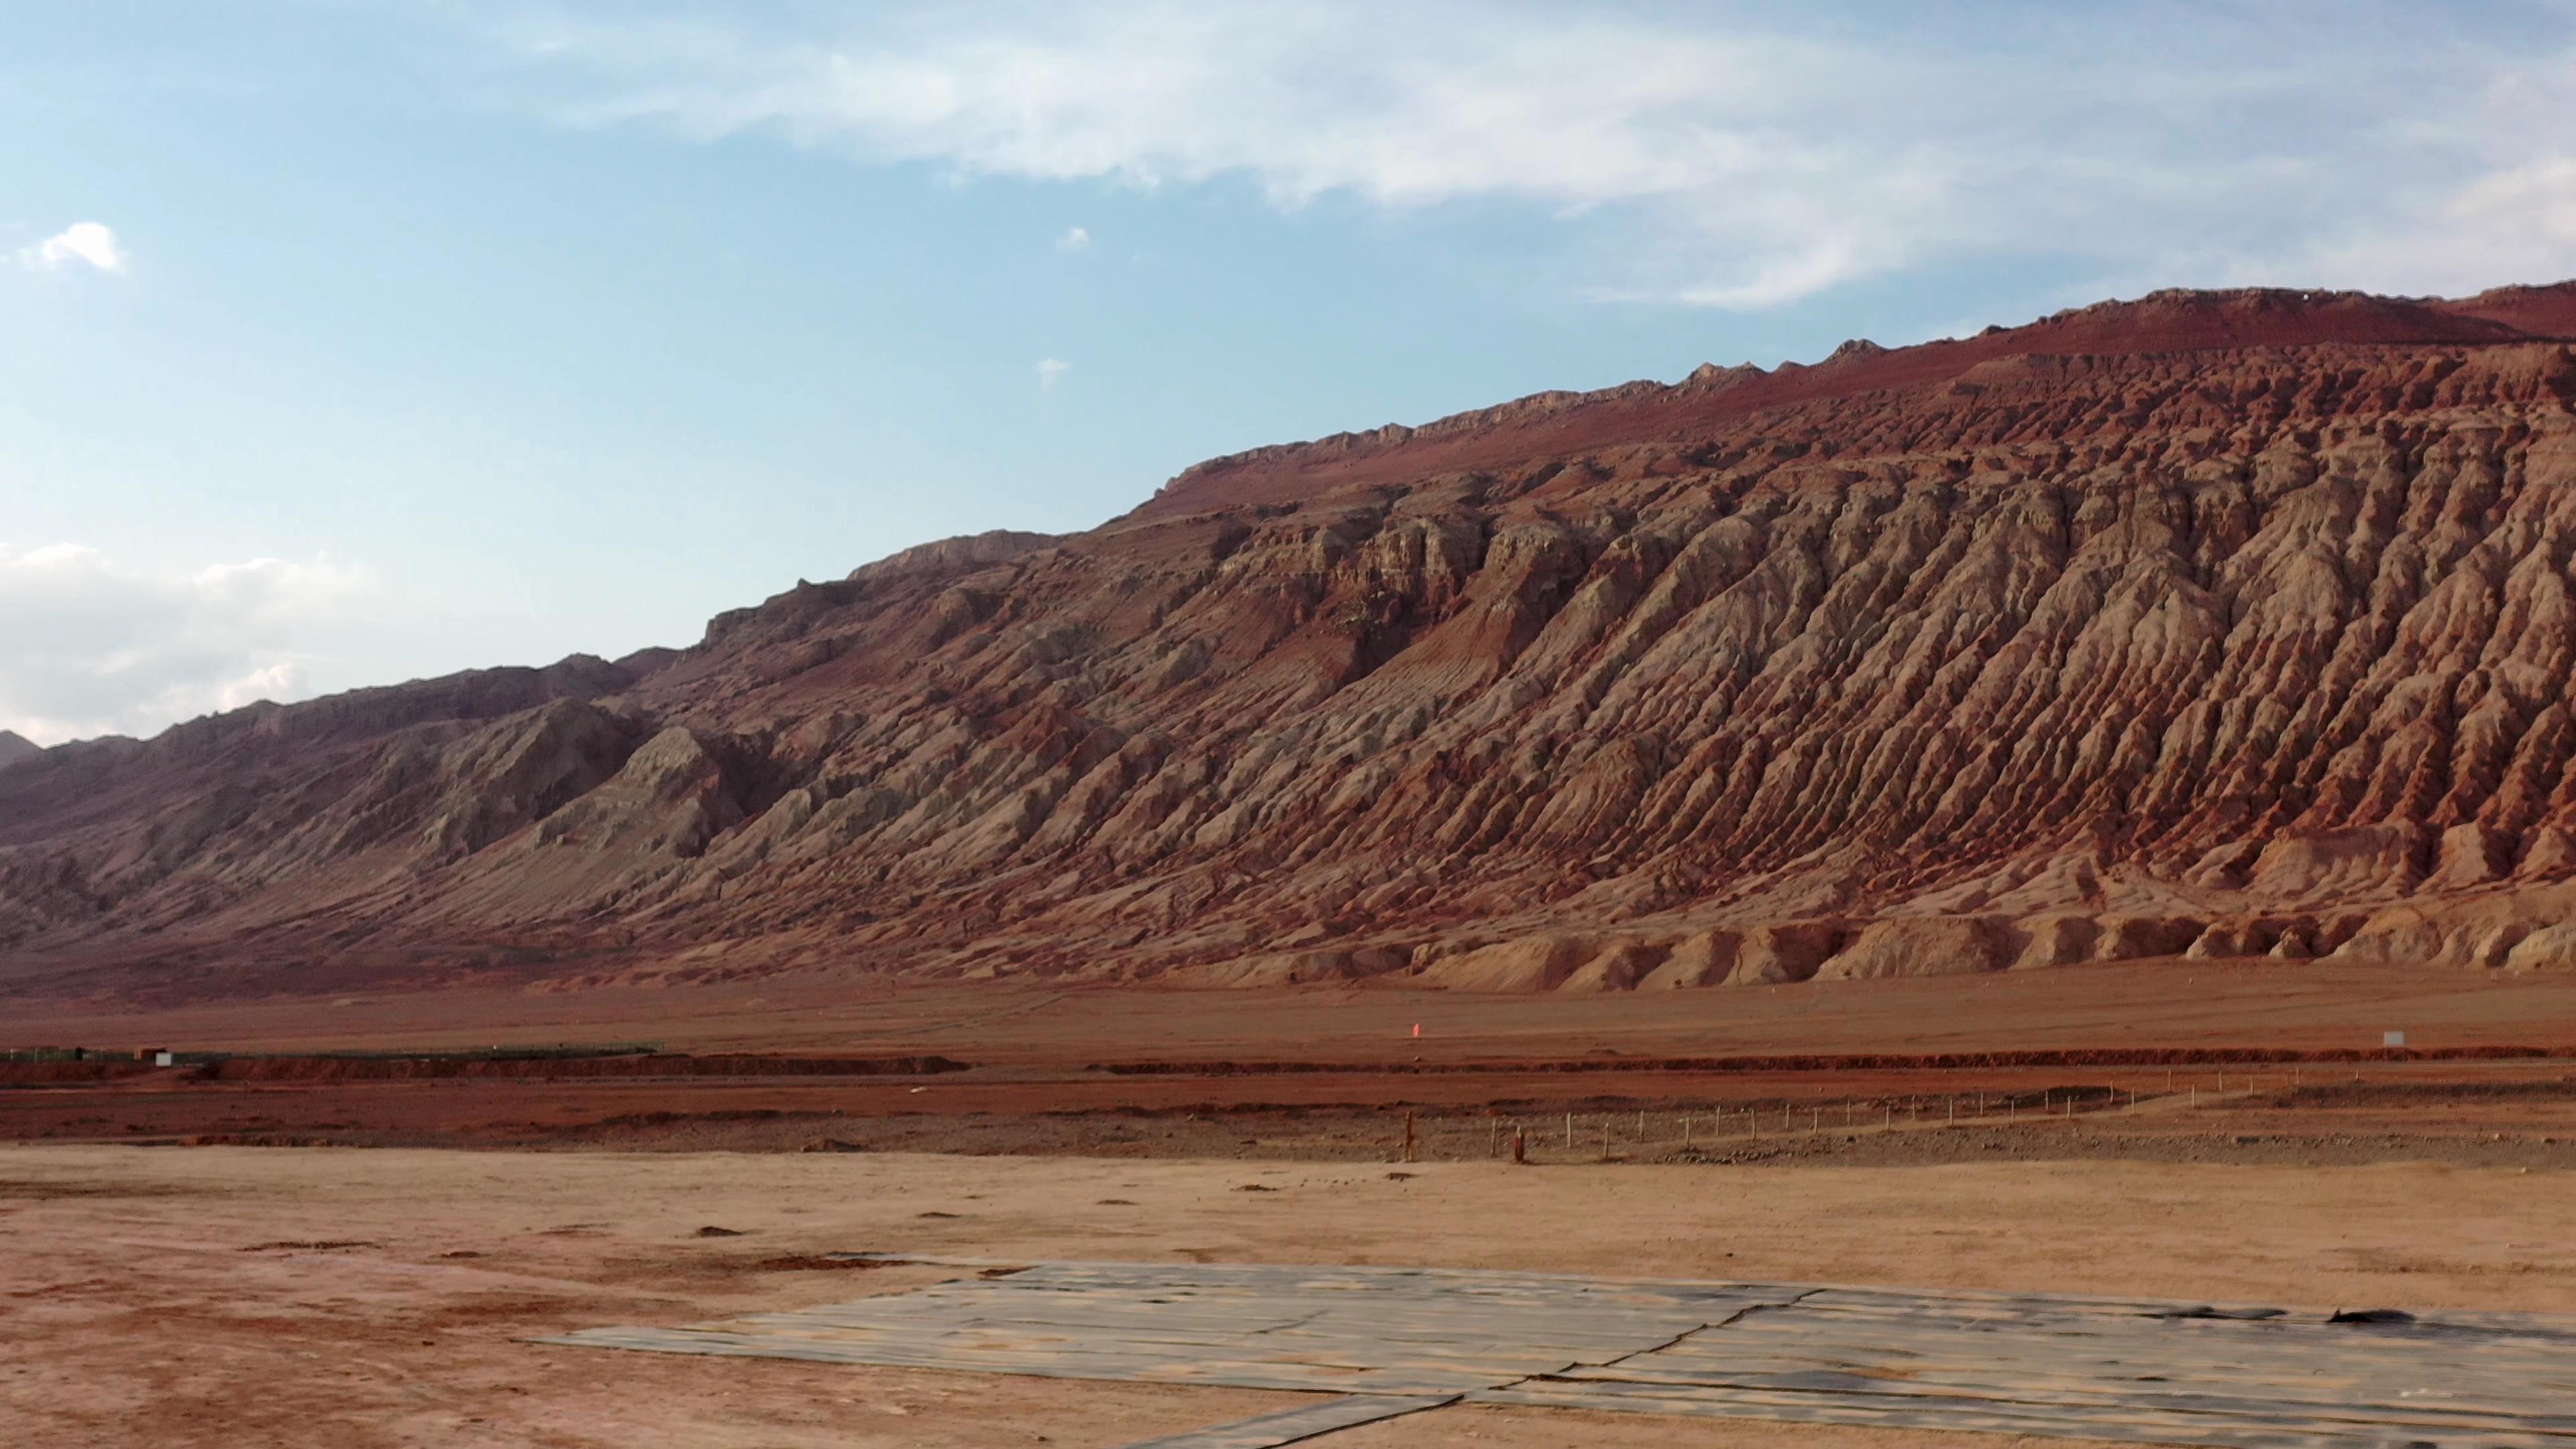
(1728, 156)
(124, 650)
(1051, 370)
(82, 244)
(1074, 239)
(2506, 213)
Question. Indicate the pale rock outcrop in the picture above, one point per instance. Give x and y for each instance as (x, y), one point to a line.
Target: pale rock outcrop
(669, 799)
(1703, 958)
(1926, 946)
(2550, 948)
(2058, 940)
(2471, 855)
(2137, 938)
(2364, 859)
(1293, 968)
(1619, 966)
(502, 779)
(1784, 951)
(1533, 963)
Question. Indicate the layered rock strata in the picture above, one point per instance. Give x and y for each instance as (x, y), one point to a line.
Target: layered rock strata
(2214, 625)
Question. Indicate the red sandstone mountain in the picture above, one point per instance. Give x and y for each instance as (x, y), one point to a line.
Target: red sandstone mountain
(15, 747)
(2213, 623)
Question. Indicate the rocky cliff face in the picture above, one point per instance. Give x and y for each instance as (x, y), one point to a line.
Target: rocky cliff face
(2215, 624)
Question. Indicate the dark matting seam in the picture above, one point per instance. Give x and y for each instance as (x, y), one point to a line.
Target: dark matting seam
(1394, 1407)
(1692, 1332)
(1728, 1321)
(2322, 1413)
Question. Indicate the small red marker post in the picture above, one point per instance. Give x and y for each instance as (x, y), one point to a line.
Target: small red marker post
(1417, 1028)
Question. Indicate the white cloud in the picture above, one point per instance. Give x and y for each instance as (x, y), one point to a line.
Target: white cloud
(1050, 370)
(1722, 155)
(2506, 211)
(83, 243)
(1074, 239)
(94, 647)
(2516, 224)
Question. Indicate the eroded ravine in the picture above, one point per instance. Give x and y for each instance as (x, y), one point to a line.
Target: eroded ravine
(2046, 658)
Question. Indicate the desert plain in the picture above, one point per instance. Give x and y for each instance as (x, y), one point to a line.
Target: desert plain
(309, 1245)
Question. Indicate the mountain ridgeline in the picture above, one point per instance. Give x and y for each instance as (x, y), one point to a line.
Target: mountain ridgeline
(2212, 624)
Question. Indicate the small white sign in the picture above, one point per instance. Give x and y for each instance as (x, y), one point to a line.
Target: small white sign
(163, 1059)
(2392, 1038)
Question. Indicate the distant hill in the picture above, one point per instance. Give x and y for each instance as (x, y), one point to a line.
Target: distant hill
(15, 747)
(2231, 624)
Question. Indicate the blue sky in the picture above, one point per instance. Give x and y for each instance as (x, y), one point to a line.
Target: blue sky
(346, 343)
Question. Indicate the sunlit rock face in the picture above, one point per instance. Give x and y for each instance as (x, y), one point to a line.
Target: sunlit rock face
(2212, 625)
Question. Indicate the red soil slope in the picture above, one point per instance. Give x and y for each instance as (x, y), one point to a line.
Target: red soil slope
(2225, 623)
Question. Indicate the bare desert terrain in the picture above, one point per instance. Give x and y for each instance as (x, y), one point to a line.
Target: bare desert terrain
(360, 1298)
(370, 1273)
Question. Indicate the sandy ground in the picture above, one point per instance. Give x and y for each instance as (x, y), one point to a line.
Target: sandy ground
(378, 1294)
(243, 1296)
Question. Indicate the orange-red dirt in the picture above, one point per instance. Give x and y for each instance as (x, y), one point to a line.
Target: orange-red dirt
(1302, 1072)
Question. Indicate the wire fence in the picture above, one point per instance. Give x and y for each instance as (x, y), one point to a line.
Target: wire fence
(1604, 1135)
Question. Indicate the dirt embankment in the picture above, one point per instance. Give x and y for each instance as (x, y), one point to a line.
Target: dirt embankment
(2508, 1113)
(426, 1068)
(1864, 1062)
